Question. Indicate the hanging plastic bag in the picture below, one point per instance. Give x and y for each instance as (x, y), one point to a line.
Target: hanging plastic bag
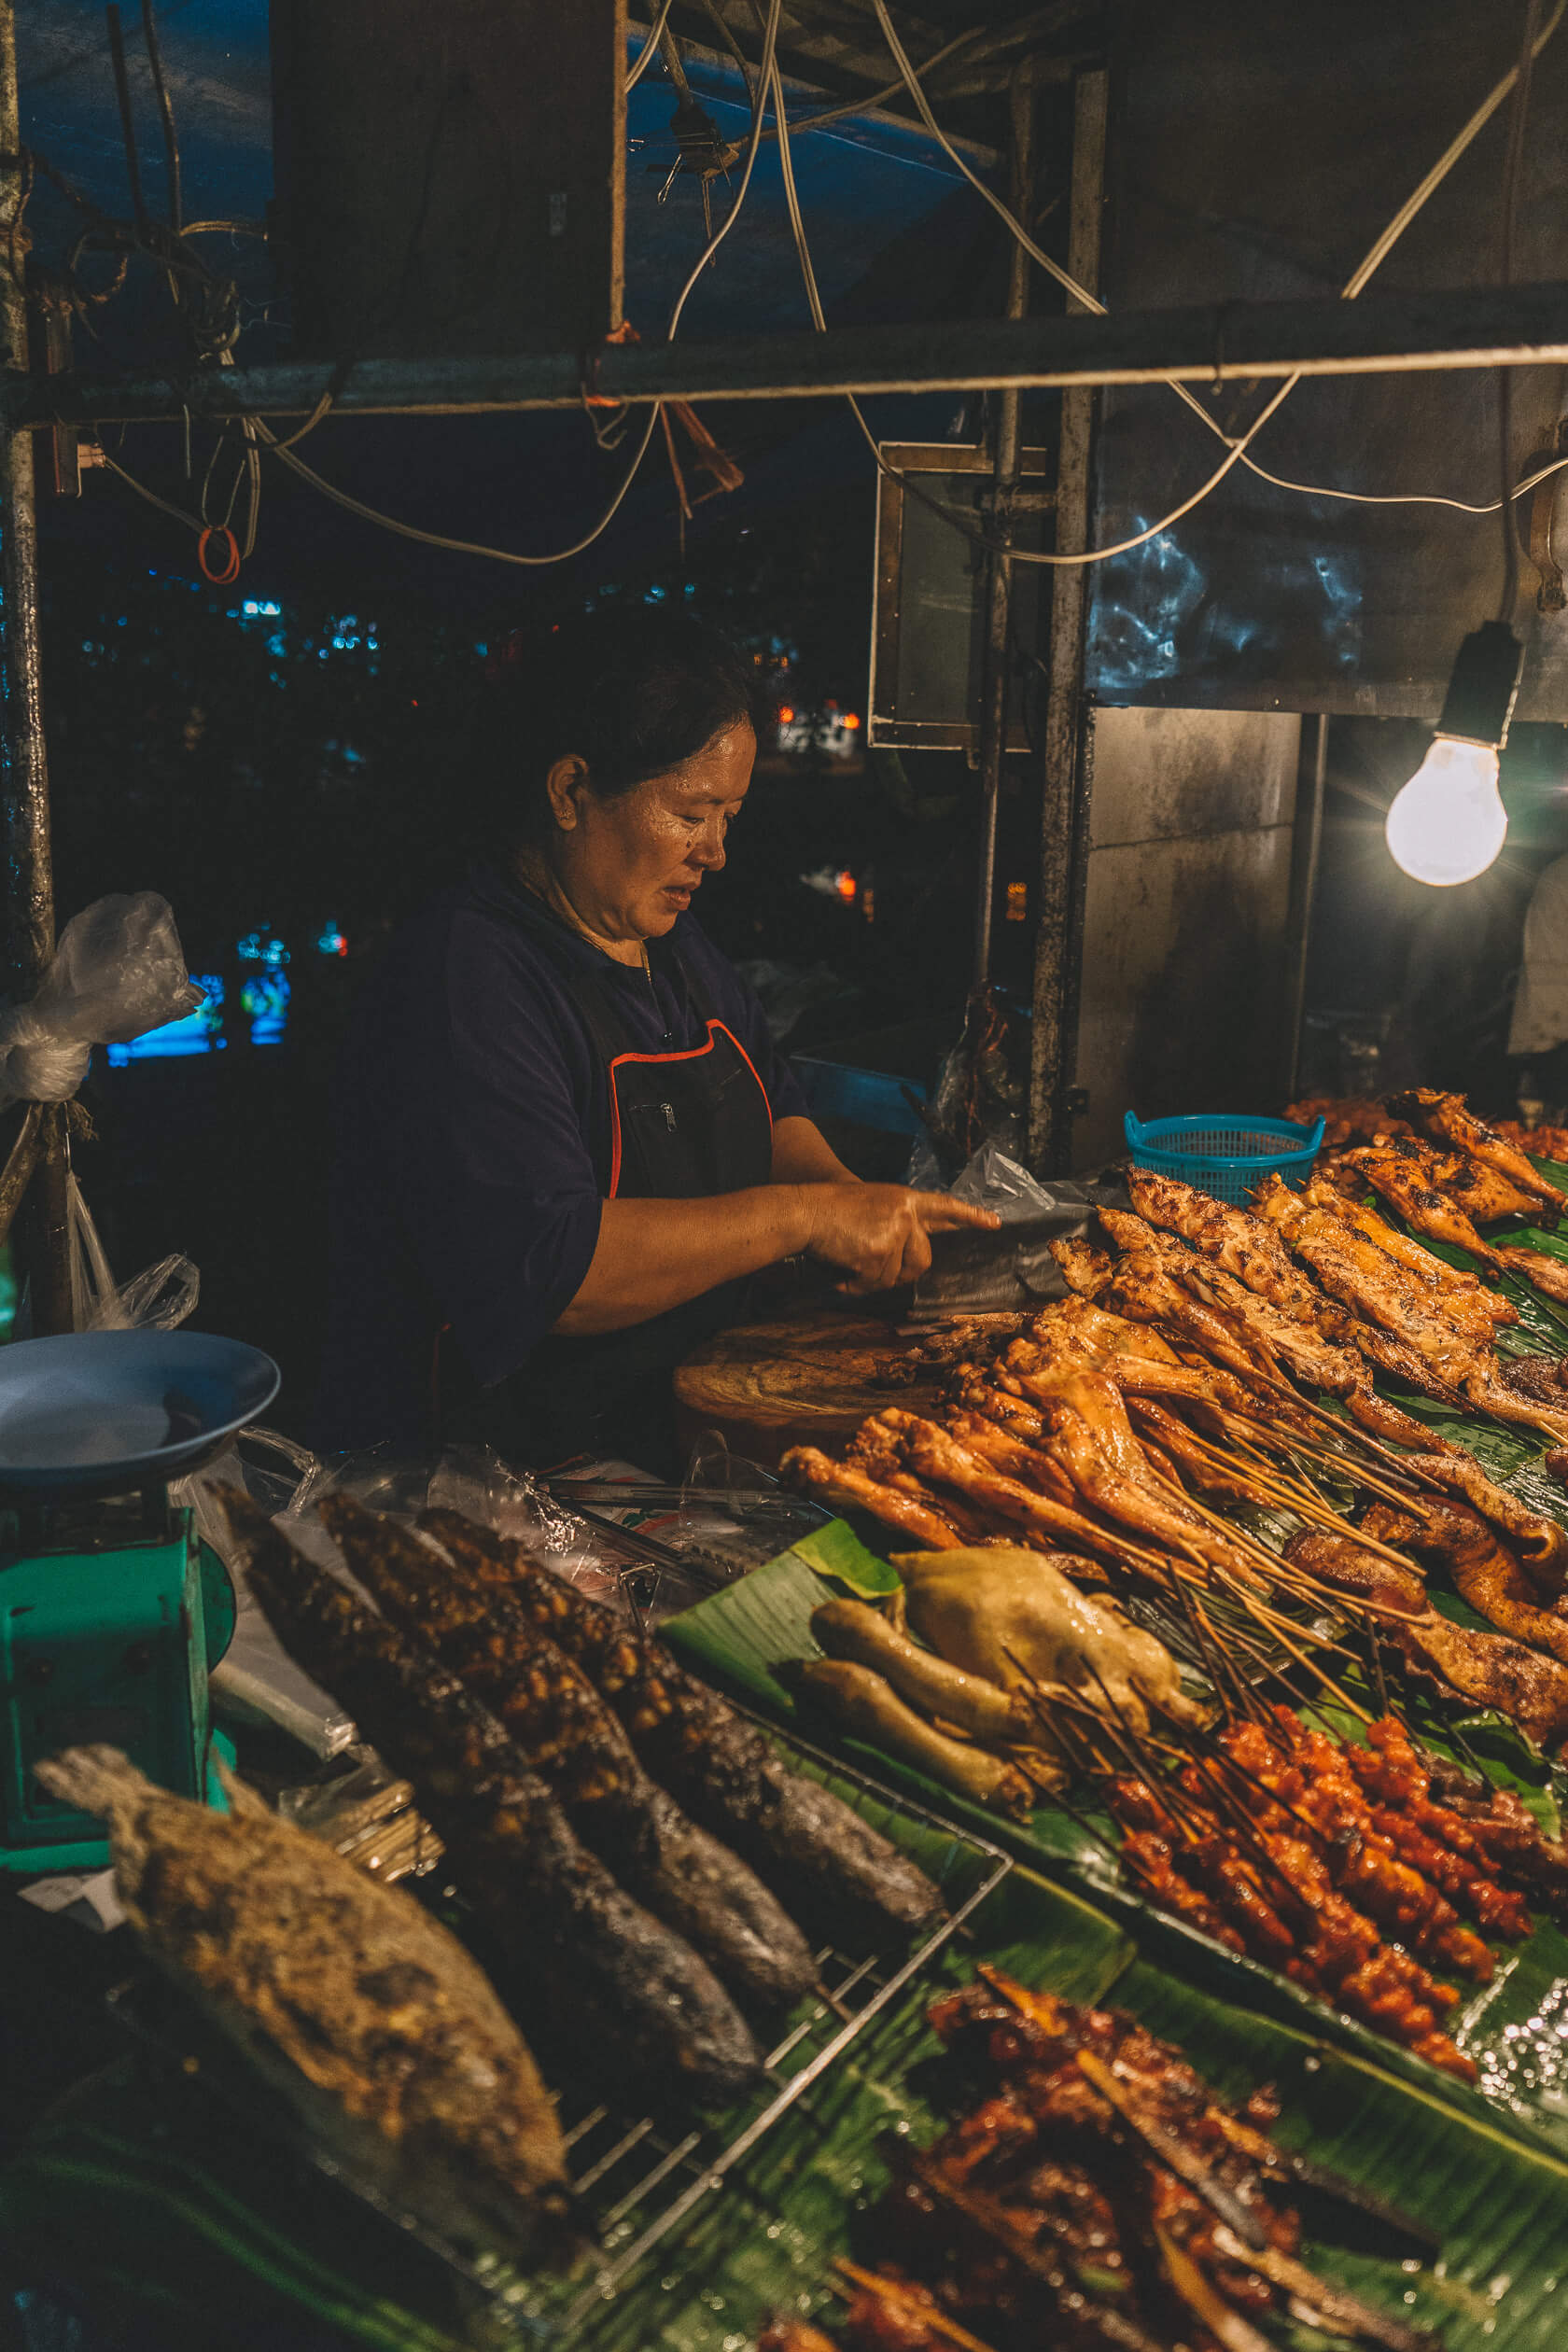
(160, 1298)
(1010, 1271)
(117, 972)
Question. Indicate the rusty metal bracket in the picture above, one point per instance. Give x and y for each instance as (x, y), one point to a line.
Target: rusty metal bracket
(1550, 594)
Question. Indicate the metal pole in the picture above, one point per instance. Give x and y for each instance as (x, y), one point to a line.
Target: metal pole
(997, 671)
(1308, 895)
(24, 803)
(1381, 334)
(1056, 942)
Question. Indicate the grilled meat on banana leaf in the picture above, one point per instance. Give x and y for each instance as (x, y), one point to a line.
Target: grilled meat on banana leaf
(631, 1997)
(571, 1736)
(380, 2032)
(805, 1842)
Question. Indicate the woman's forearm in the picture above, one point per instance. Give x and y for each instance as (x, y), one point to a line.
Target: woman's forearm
(654, 1255)
(801, 1154)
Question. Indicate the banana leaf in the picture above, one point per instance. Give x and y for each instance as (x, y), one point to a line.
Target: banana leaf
(1515, 2029)
(767, 2243)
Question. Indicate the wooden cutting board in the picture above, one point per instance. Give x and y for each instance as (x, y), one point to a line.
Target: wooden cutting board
(808, 1380)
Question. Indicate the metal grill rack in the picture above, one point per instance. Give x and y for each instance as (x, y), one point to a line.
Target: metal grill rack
(640, 2182)
(636, 2177)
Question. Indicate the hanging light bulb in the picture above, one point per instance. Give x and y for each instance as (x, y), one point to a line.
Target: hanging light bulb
(1448, 822)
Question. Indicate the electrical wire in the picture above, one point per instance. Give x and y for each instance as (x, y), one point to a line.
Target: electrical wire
(164, 506)
(508, 555)
(1518, 119)
(1237, 446)
(650, 50)
(165, 116)
(785, 132)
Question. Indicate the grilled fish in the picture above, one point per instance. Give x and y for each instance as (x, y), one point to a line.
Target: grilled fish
(377, 2028)
(803, 1841)
(574, 1740)
(630, 1995)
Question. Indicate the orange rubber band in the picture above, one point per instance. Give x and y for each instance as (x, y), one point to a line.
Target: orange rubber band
(231, 571)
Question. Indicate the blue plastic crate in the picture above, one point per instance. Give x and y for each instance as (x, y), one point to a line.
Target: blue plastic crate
(1225, 1153)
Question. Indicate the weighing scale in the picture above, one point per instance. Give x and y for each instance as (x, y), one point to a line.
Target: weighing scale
(113, 1612)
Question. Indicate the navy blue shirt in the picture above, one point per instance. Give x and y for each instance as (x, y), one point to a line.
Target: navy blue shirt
(474, 1143)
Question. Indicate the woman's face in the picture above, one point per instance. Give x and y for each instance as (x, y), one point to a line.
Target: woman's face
(631, 865)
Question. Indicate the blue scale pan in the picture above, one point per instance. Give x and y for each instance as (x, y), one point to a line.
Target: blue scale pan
(105, 1412)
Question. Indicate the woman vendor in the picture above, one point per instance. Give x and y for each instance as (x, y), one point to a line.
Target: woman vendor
(565, 1139)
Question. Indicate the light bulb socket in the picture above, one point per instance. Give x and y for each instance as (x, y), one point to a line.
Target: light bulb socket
(1483, 687)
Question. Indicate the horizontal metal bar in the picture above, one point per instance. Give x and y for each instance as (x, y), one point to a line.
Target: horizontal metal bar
(1488, 327)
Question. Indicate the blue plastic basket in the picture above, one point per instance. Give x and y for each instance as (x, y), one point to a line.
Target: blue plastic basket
(1225, 1153)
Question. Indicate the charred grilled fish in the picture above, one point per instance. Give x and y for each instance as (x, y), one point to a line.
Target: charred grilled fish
(801, 1838)
(631, 1997)
(574, 1740)
(381, 2033)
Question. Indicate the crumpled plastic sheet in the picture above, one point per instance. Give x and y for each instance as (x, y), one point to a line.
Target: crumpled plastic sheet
(119, 971)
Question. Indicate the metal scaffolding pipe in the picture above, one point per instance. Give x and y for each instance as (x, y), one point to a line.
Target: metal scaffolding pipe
(995, 690)
(24, 801)
(1058, 923)
(1383, 334)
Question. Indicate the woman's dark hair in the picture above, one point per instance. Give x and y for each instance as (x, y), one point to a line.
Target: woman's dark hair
(634, 689)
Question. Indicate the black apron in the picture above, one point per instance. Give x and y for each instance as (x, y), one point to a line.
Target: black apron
(685, 1125)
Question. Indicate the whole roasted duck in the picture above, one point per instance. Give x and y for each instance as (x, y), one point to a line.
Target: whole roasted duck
(378, 2030)
(631, 1997)
(574, 1741)
(806, 1843)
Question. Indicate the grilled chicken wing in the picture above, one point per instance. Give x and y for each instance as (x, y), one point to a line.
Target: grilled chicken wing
(1449, 1118)
(1541, 1270)
(1487, 1575)
(1465, 1296)
(1488, 1669)
(853, 1490)
(1423, 1186)
(1244, 1245)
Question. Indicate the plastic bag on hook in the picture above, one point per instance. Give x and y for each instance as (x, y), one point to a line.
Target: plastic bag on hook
(117, 972)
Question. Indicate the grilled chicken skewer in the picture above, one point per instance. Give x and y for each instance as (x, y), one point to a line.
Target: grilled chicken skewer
(800, 1838)
(572, 1738)
(630, 1995)
(1448, 1118)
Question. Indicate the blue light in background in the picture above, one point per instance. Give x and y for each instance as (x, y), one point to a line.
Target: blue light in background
(197, 1033)
(265, 1000)
(331, 942)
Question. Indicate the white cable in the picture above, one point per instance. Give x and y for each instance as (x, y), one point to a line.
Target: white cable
(1237, 447)
(650, 49)
(564, 554)
(818, 320)
(770, 45)
(456, 546)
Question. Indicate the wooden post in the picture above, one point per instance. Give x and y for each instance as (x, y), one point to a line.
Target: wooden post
(1057, 915)
(41, 1232)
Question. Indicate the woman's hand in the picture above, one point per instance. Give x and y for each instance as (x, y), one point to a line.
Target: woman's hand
(879, 1233)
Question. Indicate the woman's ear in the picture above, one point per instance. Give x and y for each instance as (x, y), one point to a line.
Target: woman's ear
(566, 783)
